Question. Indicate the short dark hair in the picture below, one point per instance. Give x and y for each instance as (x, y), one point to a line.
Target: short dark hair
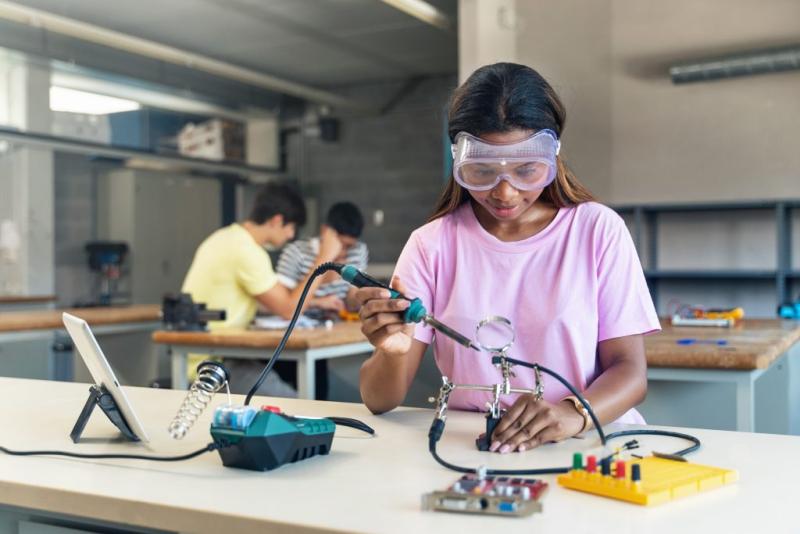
(279, 199)
(346, 219)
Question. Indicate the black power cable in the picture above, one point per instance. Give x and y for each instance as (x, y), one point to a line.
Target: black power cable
(668, 433)
(567, 385)
(208, 448)
(338, 421)
(325, 267)
(437, 429)
(352, 423)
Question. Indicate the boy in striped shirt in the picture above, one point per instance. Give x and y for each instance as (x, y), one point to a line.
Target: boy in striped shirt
(298, 259)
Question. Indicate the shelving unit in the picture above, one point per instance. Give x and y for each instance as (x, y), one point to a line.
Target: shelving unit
(645, 226)
(88, 148)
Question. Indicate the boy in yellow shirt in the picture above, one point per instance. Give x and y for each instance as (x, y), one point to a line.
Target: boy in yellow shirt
(231, 270)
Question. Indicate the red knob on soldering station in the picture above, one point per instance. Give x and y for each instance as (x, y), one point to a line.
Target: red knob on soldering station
(273, 409)
(591, 464)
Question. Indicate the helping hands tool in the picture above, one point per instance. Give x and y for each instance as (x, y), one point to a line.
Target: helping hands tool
(415, 313)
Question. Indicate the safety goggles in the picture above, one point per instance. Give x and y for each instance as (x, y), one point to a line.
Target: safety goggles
(529, 164)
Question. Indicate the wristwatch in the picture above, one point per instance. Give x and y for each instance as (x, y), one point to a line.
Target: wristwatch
(581, 409)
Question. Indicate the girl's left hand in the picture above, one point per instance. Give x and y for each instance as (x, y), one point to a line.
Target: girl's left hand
(530, 423)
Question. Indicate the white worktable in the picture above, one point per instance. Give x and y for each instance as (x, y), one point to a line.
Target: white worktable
(364, 485)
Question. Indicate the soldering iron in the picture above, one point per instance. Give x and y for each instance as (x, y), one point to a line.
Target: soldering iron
(415, 313)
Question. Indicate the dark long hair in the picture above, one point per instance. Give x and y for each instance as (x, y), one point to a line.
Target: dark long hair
(504, 97)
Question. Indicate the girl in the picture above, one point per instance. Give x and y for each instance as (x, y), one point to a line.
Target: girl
(515, 234)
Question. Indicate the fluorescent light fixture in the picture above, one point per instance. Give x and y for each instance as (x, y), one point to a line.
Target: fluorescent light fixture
(147, 96)
(74, 101)
(423, 11)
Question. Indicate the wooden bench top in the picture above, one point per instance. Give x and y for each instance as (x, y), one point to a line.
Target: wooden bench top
(26, 299)
(752, 344)
(51, 319)
(341, 333)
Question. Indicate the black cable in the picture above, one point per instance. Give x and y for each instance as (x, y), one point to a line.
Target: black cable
(437, 429)
(435, 434)
(566, 384)
(668, 433)
(604, 438)
(498, 472)
(208, 448)
(504, 472)
(339, 421)
(325, 267)
(352, 423)
(558, 470)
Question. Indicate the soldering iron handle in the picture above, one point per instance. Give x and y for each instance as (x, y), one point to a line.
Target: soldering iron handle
(359, 279)
(414, 313)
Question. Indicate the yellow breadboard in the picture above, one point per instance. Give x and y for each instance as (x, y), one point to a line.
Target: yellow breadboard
(662, 480)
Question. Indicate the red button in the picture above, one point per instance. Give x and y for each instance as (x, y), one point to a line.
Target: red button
(620, 469)
(591, 464)
(273, 409)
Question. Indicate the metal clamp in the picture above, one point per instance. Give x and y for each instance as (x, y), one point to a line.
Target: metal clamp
(441, 400)
(538, 390)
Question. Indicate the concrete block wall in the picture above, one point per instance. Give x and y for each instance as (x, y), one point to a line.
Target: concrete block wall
(391, 162)
(75, 207)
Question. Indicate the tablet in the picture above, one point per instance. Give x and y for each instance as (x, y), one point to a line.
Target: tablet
(101, 371)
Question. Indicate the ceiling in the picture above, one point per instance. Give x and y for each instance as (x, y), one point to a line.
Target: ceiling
(324, 43)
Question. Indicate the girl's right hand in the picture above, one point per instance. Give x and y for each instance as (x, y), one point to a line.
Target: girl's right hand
(382, 319)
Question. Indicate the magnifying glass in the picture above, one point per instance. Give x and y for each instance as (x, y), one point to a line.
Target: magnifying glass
(495, 334)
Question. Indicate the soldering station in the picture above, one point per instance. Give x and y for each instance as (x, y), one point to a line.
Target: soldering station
(264, 439)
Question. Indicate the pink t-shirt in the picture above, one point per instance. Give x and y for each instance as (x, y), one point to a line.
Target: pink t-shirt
(575, 283)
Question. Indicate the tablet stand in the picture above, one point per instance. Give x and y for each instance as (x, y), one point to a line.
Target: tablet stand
(101, 397)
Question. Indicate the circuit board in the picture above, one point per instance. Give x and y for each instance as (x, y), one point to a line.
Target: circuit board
(505, 496)
(656, 480)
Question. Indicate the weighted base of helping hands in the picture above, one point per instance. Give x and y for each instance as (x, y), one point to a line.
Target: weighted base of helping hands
(483, 442)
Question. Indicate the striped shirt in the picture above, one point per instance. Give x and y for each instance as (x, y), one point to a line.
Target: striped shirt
(297, 260)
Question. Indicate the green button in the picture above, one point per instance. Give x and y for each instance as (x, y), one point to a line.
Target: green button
(577, 461)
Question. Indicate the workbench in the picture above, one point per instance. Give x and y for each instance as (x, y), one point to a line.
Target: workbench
(365, 485)
(305, 346)
(47, 326)
(739, 356)
(26, 302)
